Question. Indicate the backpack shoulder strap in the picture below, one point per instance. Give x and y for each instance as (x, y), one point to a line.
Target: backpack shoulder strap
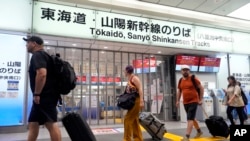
(193, 80)
(179, 83)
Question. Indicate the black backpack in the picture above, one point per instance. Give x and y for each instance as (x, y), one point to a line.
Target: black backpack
(194, 83)
(64, 74)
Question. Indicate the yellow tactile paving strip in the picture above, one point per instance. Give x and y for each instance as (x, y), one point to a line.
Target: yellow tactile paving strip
(174, 137)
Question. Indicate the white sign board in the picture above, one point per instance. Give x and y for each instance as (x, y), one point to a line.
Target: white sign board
(241, 43)
(62, 20)
(16, 15)
(171, 34)
(116, 27)
(213, 39)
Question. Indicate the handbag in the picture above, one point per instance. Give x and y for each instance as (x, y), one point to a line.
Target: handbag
(127, 100)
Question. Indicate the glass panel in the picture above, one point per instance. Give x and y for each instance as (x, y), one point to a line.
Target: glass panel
(84, 79)
(118, 72)
(158, 74)
(93, 89)
(71, 101)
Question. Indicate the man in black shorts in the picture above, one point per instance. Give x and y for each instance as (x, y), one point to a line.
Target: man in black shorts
(45, 98)
(191, 99)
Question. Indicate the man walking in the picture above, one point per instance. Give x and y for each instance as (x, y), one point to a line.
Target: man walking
(191, 99)
(45, 98)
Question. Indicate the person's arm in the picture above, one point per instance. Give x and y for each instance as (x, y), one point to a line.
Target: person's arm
(40, 80)
(178, 96)
(201, 88)
(201, 91)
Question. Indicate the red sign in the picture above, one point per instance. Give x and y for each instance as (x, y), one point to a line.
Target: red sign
(83, 79)
(187, 60)
(102, 79)
(145, 63)
(212, 62)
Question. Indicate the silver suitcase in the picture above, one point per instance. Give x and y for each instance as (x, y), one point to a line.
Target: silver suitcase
(152, 125)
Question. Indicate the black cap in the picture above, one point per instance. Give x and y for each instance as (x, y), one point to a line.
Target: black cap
(36, 39)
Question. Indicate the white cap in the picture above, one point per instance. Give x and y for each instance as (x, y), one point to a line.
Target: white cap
(185, 67)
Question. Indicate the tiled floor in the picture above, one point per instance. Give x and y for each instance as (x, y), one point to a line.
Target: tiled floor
(174, 128)
(44, 136)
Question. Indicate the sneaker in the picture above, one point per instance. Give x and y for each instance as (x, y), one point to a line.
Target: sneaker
(198, 134)
(185, 139)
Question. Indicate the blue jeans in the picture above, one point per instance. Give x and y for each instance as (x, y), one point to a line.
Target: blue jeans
(235, 114)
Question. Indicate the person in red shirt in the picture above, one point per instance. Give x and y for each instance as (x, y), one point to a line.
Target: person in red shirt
(191, 100)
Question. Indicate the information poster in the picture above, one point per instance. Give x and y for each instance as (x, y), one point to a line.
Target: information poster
(191, 61)
(145, 66)
(208, 64)
(12, 79)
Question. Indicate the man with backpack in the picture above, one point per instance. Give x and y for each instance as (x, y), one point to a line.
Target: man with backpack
(192, 93)
(45, 96)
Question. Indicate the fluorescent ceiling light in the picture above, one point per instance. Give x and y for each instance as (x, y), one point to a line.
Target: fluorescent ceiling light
(159, 51)
(241, 13)
(105, 47)
(74, 45)
(46, 42)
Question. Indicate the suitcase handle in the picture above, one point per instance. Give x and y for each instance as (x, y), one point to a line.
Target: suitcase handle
(204, 111)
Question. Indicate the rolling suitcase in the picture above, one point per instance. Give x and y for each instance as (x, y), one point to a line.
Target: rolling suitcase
(152, 125)
(216, 125)
(77, 128)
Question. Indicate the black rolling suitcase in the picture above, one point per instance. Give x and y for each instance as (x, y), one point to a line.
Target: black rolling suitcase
(77, 128)
(216, 125)
(152, 125)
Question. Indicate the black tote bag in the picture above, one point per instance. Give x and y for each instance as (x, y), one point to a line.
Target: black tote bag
(127, 100)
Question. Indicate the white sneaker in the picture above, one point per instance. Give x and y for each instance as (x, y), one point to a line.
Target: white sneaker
(198, 134)
(185, 139)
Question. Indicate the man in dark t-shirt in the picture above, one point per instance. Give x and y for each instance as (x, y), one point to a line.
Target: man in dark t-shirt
(45, 98)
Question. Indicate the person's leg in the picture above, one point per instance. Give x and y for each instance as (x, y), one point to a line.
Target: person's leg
(127, 127)
(229, 114)
(245, 113)
(137, 134)
(197, 127)
(235, 115)
(240, 111)
(34, 120)
(186, 107)
(129, 120)
(191, 112)
(33, 131)
(54, 131)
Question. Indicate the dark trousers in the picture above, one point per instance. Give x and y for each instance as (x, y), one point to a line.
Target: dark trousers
(240, 111)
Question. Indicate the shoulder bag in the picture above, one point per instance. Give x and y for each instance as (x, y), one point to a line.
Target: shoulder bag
(127, 100)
